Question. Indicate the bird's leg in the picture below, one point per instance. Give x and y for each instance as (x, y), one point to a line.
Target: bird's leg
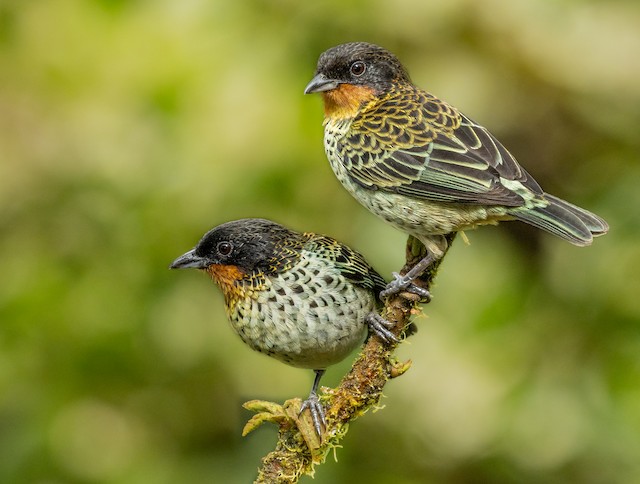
(314, 405)
(380, 326)
(405, 283)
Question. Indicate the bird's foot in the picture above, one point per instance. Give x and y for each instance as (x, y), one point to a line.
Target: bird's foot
(421, 292)
(405, 283)
(317, 412)
(380, 327)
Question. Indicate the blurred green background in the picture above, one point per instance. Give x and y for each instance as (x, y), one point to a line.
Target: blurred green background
(129, 128)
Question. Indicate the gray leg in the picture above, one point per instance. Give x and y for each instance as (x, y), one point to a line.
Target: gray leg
(314, 405)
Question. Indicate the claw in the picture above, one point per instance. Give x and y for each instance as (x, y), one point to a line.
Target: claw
(380, 327)
(394, 287)
(404, 283)
(317, 412)
(313, 404)
(421, 292)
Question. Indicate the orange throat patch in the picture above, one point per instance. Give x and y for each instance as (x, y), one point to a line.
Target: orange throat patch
(226, 277)
(344, 101)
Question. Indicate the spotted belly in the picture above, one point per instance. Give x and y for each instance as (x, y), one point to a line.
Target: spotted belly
(309, 316)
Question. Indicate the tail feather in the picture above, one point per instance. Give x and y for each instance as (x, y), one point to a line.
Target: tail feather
(565, 220)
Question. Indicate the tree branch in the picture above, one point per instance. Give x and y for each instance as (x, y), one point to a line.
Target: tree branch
(299, 449)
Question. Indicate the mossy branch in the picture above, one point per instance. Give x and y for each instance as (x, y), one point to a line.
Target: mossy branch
(299, 449)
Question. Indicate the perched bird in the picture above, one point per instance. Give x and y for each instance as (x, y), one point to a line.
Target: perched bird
(420, 164)
(304, 299)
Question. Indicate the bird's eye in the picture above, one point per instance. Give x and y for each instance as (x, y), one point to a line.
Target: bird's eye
(358, 68)
(224, 248)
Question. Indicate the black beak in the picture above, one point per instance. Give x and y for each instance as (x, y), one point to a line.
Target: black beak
(190, 259)
(320, 83)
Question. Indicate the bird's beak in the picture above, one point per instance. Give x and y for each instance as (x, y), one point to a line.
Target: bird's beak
(321, 83)
(190, 259)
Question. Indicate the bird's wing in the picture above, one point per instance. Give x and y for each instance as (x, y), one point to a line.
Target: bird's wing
(350, 263)
(416, 145)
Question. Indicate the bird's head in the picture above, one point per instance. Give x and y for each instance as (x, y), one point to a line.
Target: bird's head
(236, 250)
(350, 75)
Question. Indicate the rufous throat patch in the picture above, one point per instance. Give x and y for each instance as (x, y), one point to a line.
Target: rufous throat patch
(345, 100)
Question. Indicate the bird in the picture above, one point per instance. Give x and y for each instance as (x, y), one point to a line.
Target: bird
(304, 299)
(420, 164)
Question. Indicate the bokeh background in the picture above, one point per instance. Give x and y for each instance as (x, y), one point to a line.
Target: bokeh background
(129, 128)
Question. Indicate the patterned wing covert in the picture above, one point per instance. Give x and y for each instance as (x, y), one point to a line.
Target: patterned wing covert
(413, 144)
(350, 263)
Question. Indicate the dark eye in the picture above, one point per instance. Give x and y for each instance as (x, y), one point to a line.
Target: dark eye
(224, 248)
(358, 68)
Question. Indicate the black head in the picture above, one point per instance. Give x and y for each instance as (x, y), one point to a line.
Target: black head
(357, 63)
(247, 244)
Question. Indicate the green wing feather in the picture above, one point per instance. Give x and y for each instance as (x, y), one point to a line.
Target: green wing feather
(349, 262)
(416, 145)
